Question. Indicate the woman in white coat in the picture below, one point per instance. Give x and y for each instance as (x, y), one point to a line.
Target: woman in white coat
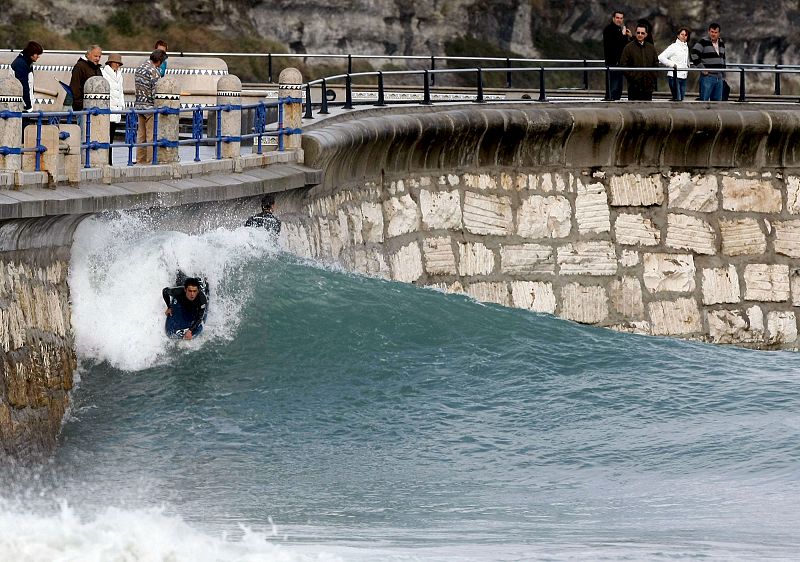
(677, 56)
(112, 72)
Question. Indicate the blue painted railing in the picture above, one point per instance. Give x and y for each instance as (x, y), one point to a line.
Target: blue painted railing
(260, 129)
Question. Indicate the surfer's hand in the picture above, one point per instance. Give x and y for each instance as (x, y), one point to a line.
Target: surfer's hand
(187, 335)
(168, 312)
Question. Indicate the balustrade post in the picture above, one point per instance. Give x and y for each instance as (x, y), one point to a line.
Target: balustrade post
(289, 91)
(96, 95)
(777, 80)
(229, 94)
(168, 101)
(10, 123)
(742, 87)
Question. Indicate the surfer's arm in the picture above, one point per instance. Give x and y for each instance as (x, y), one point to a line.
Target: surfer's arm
(199, 312)
(166, 293)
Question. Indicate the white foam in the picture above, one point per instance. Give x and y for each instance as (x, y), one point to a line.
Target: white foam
(118, 268)
(147, 535)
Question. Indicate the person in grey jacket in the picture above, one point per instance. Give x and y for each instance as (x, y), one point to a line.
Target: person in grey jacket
(709, 54)
(677, 56)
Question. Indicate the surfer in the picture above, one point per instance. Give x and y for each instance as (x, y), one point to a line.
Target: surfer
(265, 218)
(186, 308)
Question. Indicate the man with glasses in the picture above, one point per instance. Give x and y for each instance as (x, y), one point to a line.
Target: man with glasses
(709, 54)
(640, 54)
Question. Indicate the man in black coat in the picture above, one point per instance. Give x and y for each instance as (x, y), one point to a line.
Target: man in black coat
(642, 54)
(615, 37)
(86, 67)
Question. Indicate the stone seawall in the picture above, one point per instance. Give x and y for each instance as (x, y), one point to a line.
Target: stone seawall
(36, 350)
(663, 221)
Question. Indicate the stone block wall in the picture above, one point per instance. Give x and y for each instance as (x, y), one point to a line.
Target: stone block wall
(707, 255)
(36, 350)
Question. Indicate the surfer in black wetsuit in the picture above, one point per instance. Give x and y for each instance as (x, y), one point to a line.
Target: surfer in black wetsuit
(192, 302)
(265, 218)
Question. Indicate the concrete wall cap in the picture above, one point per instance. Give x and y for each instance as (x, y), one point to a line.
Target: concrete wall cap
(290, 76)
(229, 83)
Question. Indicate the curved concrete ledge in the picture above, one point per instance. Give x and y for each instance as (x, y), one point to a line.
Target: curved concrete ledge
(368, 143)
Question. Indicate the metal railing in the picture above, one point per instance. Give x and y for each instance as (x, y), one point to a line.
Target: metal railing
(200, 134)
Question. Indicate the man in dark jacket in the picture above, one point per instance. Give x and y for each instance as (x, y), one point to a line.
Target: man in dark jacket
(186, 307)
(86, 67)
(615, 37)
(709, 54)
(23, 70)
(639, 53)
(265, 218)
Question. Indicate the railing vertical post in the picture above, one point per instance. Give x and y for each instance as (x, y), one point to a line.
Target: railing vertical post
(290, 111)
(348, 93)
(308, 114)
(480, 99)
(675, 83)
(197, 131)
(426, 89)
(742, 90)
(323, 110)
(381, 93)
(349, 64)
(777, 81)
(229, 97)
(585, 75)
(38, 165)
(96, 96)
(433, 67)
(508, 73)
(542, 92)
(131, 126)
(155, 136)
(269, 68)
(86, 140)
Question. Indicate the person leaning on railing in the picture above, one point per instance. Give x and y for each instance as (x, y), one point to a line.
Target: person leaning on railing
(146, 78)
(677, 56)
(709, 54)
(23, 70)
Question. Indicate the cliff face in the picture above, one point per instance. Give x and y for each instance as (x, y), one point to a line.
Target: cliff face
(755, 31)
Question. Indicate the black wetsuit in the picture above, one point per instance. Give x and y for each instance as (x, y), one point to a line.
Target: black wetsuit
(266, 220)
(196, 309)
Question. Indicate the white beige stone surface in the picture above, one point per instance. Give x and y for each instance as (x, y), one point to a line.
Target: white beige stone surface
(680, 317)
(487, 214)
(524, 259)
(402, 215)
(668, 272)
(755, 195)
(552, 182)
(693, 192)
(373, 222)
(793, 194)
(591, 208)
(633, 229)
(595, 257)
(742, 237)
(781, 327)
(721, 285)
(406, 263)
(766, 283)
(439, 256)
(544, 217)
(795, 284)
(480, 181)
(787, 238)
(735, 326)
(489, 292)
(685, 232)
(636, 190)
(441, 209)
(629, 258)
(537, 296)
(474, 258)
(626, 297)
(587, 304)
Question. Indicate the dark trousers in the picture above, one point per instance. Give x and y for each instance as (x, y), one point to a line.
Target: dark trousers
(615, 84)
(636, 93)
(111, 132)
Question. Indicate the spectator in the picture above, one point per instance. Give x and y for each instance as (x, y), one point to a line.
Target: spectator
(162, 46)
(23, 70)
(709, 54)
(640, 54)
(146, 78)
(86, 67)
(112, 72)
(677, 56)
(615, 37)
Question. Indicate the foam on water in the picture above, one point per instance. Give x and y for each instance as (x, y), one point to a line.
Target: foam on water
(118, 269)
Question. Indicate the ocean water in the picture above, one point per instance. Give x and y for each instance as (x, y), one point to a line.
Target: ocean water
(326, 416)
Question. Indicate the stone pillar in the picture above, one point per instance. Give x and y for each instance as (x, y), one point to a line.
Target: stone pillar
(72, 154)
(11, 128)
(168, 94)
(49, 159)
(229, 92)
(291, 86)
(97, 93)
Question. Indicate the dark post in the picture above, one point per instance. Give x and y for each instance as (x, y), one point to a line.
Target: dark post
(675, 81)
(348, 96)
(480, 99)
(349, 64)
(323, 110)
(426, 90)
(542, 94)
(308, 114)
(777, 81)
(742, 93)
(608, 84)
(433, 67)
(585, 75)
(381, 100)
(269, 68)
(508, 73)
